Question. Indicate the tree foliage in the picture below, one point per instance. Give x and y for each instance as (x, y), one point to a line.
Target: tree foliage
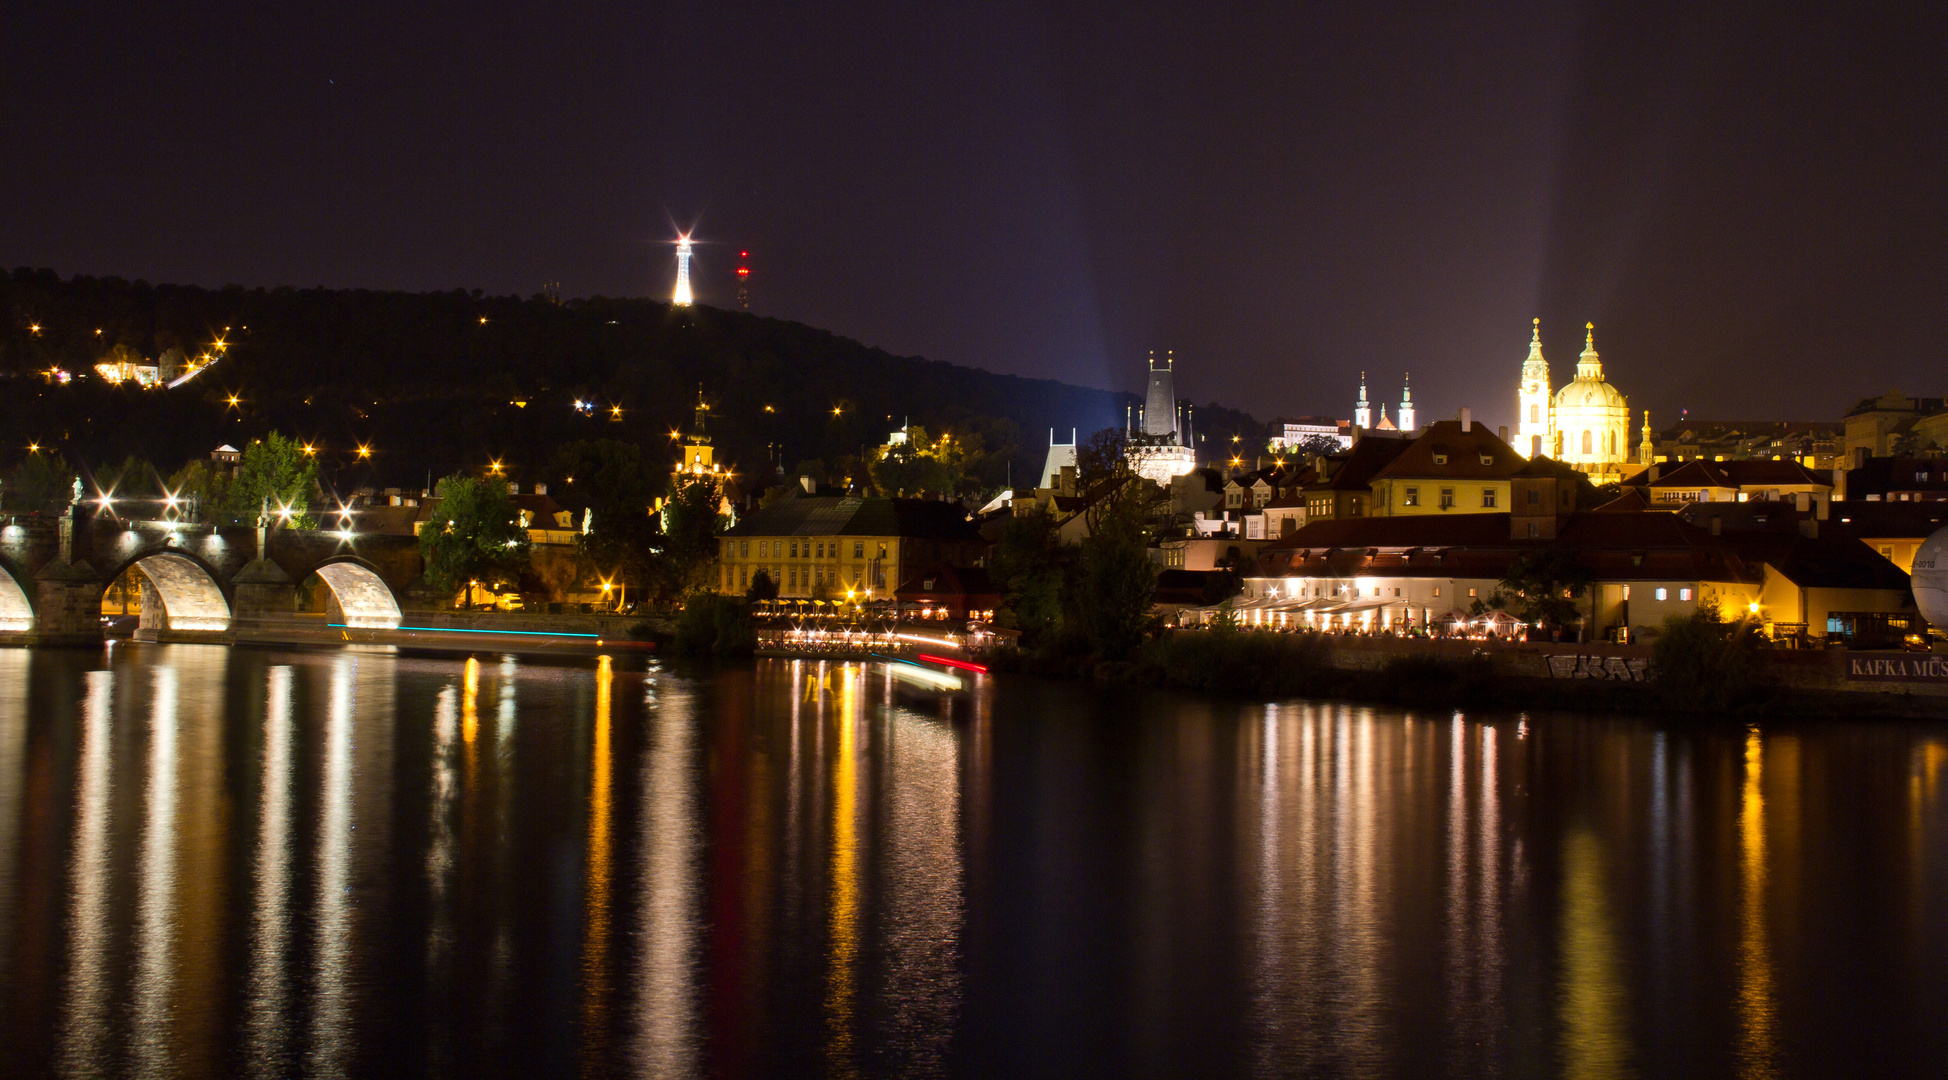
(42, 483)
(1031, 566)
(474, 533)
(611, 480)
(920, 465)
(1545, 585)
(686, 545)
(276, 481)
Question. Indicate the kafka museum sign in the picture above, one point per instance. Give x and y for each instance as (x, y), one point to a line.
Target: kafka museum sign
(1897, 667)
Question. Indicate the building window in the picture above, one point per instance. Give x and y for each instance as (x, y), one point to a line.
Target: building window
(1626, 592)
(1887, 553)
(1533, 531)
(882, 549)
(1440, 459)
(858, 549)
(1684, 594)
(793, 572)
(1663, 594)
(1447, 498)
(794, 549)
(1411, 498)
(1396, 590)
(764, 548)
(1535, 497)
(1488, 497)
(1589, 444)
(1535, 417)
(1471, 593)
(1487, 459)
(1437, 591)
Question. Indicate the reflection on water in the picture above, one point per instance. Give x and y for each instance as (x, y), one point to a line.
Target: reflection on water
(268, 1035)
(244, 862)
(85, 1030)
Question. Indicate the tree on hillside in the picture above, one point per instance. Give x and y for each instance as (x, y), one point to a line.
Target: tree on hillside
(276, 480)
(918, 466)
(42, 483)
(609, 479)
(474, 534)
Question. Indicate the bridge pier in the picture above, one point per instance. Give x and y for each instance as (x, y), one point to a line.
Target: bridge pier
(67, 605)
(261, 590)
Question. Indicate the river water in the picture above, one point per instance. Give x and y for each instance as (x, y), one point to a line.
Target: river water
(247, 862)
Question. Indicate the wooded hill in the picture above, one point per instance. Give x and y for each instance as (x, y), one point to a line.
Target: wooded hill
(438, 382)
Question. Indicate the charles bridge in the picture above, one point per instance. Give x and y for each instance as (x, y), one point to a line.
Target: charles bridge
(198, 582)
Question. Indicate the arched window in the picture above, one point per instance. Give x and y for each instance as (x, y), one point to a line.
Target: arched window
(1535, 413)
(1589, 444)
(1613, 444)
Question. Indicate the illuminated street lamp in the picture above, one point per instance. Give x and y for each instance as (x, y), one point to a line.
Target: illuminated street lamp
(310, 450)
(494, 468)
(364, 450)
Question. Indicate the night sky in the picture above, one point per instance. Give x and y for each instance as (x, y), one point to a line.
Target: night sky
(1748, 202)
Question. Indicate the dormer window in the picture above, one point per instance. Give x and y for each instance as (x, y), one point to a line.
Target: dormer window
(1487, 459)
(1440, 458)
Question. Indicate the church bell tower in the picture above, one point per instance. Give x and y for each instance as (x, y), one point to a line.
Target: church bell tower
(1534, 424)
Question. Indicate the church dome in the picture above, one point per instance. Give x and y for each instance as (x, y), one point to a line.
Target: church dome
(1584, 393)
(1587, 394)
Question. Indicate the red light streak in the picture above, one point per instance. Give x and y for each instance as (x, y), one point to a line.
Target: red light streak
(961, 664)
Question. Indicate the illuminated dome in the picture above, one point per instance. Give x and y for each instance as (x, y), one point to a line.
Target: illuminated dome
(1592, 419)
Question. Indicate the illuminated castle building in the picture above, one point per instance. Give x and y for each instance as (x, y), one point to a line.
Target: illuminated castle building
(1585, 425)
(1158, 449)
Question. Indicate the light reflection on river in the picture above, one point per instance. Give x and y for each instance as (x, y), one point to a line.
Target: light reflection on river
(249, 862)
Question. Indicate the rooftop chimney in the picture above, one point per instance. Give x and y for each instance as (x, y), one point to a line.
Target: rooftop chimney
(810, 485)
(1802, 502)
(1467, 420)
(1502, 433)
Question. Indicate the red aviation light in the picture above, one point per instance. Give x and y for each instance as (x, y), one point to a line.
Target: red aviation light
(743, 271)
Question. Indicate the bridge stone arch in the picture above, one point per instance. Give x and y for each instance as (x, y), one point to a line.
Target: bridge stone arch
(189, 591)
(16, 605)
(362, 594)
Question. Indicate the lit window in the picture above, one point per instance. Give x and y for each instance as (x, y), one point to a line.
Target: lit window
(1412, 498)
(1440, 459)
(1437, 590)
(1663, 594)
(1471, 592)
(1684, 594)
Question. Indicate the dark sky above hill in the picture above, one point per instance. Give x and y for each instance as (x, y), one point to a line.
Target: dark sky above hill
(1748, 201)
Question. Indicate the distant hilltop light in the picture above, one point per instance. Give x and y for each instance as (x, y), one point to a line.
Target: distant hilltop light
(682, 297)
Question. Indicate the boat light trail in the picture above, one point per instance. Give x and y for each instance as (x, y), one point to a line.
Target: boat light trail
(462, 630)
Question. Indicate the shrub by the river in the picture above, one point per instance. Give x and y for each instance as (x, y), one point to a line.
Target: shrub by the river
(1702, 662)
(715, 625)
(1424, 679)
(1246, 662)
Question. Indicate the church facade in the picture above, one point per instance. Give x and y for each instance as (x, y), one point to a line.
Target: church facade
(1585, 424)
